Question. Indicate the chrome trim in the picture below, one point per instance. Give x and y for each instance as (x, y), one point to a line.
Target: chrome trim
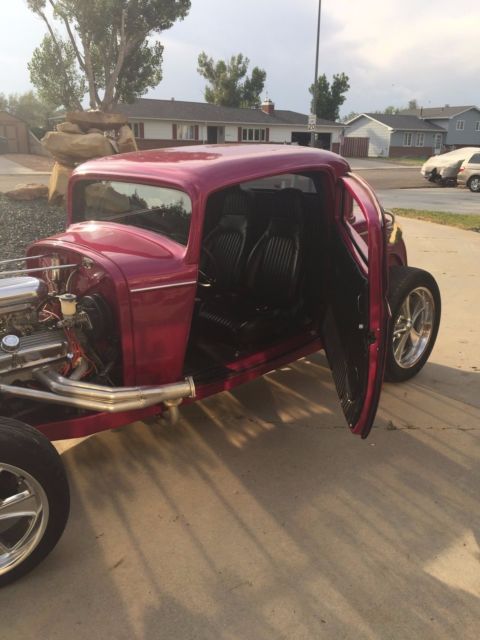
(164, 286)
(28, 270)
(21, 259)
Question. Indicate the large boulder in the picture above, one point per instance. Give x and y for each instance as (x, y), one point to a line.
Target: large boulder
(126, 140)
(31, 191)
(103, 197)
(70, 148)
(97, 119)
(69, 127)
(58, 185)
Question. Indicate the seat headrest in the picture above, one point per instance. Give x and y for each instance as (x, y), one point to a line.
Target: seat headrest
(289, 202)
(237, 203)
(287, 215)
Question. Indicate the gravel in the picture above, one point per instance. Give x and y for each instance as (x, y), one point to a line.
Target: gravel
(23, 222)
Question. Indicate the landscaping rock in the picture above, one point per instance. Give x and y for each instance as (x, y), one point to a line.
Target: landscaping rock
(97, 119)
(32, 191)
(105, 198)
(69, 127)
(126, 140)
(71, 148)
(58, 186)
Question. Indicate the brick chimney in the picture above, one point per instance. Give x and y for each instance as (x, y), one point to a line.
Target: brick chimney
(268, 106)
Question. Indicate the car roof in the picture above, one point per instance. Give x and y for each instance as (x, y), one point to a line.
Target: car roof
(207, 168)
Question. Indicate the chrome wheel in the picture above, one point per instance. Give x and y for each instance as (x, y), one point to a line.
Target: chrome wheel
(413, 327)
(24, 513)
(474, 184)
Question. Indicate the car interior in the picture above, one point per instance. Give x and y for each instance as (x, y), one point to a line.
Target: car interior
(259, 276)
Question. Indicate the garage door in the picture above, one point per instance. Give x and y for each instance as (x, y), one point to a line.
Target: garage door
(355, 147)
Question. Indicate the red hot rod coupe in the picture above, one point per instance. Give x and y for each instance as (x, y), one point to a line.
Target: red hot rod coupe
(184, 272)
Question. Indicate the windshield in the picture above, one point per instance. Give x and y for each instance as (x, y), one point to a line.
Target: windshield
(159, 209)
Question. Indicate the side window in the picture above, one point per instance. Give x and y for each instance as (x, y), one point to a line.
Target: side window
(475, 159)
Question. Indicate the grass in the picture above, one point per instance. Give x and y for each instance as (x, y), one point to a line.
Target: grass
(462, 221)
(414, 162)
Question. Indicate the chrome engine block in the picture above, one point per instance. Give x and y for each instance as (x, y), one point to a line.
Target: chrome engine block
(25, 341)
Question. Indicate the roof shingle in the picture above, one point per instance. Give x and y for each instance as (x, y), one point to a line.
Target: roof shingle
(204, 112)
(404, 122)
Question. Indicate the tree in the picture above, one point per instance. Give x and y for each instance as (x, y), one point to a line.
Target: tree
(225, 78)
(105, 51)
(28, 108)
(349, 116)
(328, 98)
(390, 110)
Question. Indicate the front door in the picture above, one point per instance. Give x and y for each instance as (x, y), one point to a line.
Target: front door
(212, 135)
(355, 322)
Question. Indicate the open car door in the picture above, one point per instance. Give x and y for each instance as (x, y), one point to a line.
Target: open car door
(355, 321)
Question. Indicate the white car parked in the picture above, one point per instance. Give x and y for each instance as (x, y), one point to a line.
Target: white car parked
(443, 168)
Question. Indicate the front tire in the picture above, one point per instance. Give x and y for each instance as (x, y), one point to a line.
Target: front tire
(34, 498)
(415, 304)
(474, 184)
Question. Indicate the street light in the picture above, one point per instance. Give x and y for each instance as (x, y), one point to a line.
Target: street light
(314, 102)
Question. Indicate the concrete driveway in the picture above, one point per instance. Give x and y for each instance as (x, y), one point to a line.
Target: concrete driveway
(260, 517)
(455, 200)
(12, 173)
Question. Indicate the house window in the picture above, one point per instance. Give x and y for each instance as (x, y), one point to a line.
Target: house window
(407, 139)
(460, 125)
(477, 125)
(254, 135)
(437, 141)
(420, 140)
(186, 132)
(138, 130)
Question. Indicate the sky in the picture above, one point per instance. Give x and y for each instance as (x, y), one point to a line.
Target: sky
(393, 51)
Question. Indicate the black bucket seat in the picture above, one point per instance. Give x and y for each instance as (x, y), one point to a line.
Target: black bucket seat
(269, 301)
(224, 248)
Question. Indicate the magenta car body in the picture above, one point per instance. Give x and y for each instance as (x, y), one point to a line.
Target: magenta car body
(182, 273)
(151, 281)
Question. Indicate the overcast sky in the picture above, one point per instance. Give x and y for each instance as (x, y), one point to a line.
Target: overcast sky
(392, 51)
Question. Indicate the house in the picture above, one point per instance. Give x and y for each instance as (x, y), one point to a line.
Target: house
(166, 123)
(397, 135)
(462, 124)
(14, 134)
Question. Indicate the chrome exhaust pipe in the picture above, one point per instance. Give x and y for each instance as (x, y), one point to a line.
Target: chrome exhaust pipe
(82, 395)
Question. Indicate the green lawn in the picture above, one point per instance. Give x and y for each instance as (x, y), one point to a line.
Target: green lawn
(414, 162)
(462, 221)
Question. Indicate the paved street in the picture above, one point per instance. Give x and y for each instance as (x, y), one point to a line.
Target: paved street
(260, 517)
(450, 199)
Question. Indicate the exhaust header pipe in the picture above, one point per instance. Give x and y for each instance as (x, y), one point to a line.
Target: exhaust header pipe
(92, 397)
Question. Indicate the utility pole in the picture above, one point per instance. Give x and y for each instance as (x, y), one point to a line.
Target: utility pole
(312, 122)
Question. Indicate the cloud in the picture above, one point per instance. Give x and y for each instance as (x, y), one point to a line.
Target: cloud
(391, 51)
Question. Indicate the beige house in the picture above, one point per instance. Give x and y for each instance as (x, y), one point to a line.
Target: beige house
(164, 123)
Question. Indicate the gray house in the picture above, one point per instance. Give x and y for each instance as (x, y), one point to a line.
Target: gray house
(461, 123)
(397, 135)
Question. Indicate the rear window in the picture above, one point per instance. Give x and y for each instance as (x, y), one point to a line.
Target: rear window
(283, 181)
(165, 211)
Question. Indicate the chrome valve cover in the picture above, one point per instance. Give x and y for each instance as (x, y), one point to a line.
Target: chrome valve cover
(21, 293)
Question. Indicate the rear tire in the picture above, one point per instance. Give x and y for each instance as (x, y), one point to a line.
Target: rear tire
(474, 184)
(34, 498)
(415, 304)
